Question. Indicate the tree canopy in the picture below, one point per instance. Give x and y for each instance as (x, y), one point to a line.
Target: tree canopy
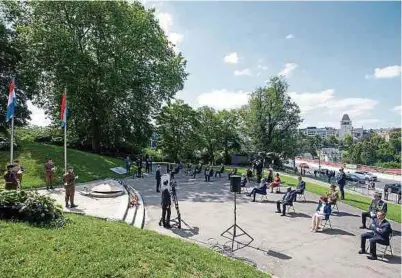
(112, 57)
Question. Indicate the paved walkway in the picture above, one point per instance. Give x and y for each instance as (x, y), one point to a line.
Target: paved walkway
(283, 246)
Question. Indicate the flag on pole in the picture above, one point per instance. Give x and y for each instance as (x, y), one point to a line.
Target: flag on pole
(63, 112)
(12, 99)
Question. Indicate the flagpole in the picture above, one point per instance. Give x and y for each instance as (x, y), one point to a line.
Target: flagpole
(12, 141)
(65, 136)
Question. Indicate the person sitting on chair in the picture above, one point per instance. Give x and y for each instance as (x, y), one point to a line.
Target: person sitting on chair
(249, 175)
(220, 171)
(332, 194)
(381, 230)
(259, 190)
(287, 200)
(300, 188)
(376, 205)
(233, 173)
(275, 183)
(243, 180)
(323, 211)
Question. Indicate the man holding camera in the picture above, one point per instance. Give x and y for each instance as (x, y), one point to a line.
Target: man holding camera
(69, 186)
(166, 203)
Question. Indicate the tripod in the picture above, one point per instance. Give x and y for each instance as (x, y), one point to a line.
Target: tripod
(233, 235)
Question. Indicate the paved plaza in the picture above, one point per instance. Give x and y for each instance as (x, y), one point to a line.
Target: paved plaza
(282, 246)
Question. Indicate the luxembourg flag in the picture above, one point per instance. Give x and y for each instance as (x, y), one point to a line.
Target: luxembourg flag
(12, 99)
(63, 112)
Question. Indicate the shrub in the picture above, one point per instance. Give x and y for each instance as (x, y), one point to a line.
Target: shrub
(31, 207)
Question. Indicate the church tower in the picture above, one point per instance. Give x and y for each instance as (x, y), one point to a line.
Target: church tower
(346, 127)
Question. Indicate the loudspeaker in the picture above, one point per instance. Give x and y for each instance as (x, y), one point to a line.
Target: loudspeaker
(235, 184)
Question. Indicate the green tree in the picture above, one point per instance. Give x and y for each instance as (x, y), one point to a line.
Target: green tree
(229, 132)
(113, 58)
(348, 142)
(177, 126)
(10, 66)
(271, 114)
(333, 141)
(210, 133)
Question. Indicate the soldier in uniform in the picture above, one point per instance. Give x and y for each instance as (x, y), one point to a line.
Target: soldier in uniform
(18, 170)
(49, 173)
(10, 178)
(69, 186)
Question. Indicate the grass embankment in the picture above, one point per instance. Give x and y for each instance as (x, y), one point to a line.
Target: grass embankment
(33, 157)
(90, 247)
(355, 200)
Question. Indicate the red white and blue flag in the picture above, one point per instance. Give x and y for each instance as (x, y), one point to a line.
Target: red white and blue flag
(12, 100)
(63, 112)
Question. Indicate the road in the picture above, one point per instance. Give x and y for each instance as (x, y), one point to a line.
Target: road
(361, 188)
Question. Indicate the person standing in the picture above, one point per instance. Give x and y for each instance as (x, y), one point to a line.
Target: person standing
(49, 173)
(18, 170)
(166, 203)
(11, 182)
(206, 173)
(69, 186)
(150, 164)
(147, 164)
(128, 164)
(341, 182)
(158, 177)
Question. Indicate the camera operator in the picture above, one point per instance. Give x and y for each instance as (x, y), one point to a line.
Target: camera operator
(166, 203)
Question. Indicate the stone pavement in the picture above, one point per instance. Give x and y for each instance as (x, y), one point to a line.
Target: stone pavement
(283, 246)
(115, 208)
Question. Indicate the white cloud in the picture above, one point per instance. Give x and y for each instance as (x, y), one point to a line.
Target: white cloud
(231, 58)
(288, 69)
(397, 109)
(223, 99)
(262, 67)
(325, 109)
(38, 116)
(290, 36)
(387, 72)
(242, 72)
(166, 23)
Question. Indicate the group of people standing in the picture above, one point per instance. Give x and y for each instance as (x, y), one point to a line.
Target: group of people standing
(139, 162)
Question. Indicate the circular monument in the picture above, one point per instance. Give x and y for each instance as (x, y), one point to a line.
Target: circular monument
(106, 189)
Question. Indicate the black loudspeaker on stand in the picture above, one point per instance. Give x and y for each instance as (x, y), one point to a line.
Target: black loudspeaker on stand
(233, 231)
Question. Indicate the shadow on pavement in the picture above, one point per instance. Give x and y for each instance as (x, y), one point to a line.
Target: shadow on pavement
(342, 213)
(391, 259)
(278, 255)
(337, 232)
(186, 233)
(299, 214)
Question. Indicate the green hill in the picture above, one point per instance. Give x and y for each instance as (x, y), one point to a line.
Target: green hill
(33, 157)
(90, 247)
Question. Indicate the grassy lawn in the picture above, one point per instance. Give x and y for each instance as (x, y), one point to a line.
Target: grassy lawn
(33, 157)
(90, 247)
(355, 200)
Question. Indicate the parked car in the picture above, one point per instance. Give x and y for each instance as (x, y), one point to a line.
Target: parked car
(366, 175)
(392, 188)
(355, 178)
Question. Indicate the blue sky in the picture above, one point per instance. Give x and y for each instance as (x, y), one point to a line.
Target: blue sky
(329, 52)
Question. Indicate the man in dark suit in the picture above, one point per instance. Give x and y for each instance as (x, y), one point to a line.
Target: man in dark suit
(166, 203)
(287, 200)
(381, 229)
(341, 182)
(158, 177)
(262, 190)
(299, 189)
(376, 205)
